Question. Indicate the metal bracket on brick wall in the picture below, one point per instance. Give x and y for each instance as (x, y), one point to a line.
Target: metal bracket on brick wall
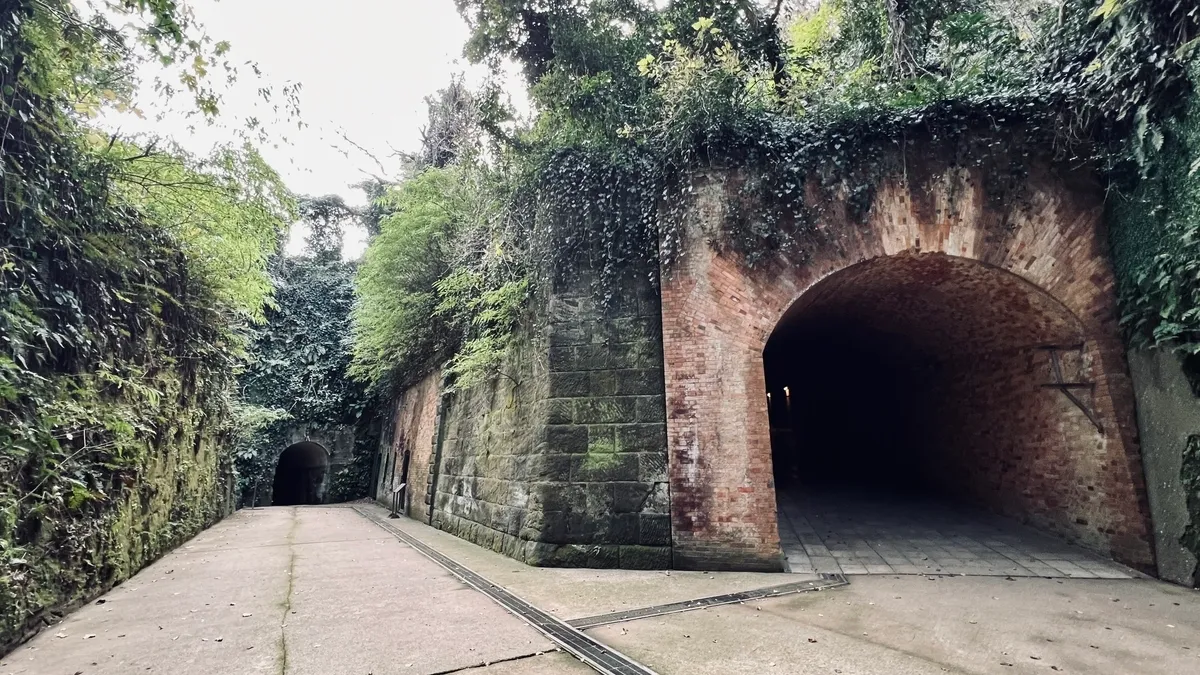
(1068, 388)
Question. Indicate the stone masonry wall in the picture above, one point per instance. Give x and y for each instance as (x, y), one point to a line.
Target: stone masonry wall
(560, 460)
(482, 487)
(718, 315)
(606, 428)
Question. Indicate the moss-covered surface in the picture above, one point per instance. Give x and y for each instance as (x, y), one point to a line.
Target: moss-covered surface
(91, 524)
(1190, 476)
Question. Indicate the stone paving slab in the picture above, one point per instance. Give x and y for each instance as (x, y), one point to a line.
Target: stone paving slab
(845, 533)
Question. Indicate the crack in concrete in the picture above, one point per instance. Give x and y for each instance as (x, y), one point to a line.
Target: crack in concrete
(287, 600)
(486, 664)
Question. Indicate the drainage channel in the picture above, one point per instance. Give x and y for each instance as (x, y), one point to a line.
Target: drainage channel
(603, 659)
(826, 581)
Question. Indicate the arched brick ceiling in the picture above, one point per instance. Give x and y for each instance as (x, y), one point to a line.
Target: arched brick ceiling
(945, 305)
(306, 454)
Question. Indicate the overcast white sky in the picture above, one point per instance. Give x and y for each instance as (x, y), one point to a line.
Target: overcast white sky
(365, 67)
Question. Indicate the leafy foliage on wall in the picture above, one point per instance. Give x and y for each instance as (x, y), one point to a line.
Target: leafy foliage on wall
(300, 356)
(632, 97)
(128, 276)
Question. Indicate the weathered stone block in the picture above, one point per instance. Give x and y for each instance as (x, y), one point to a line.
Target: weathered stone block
(645, 557)
(604, 557)
(638, 381)
(651, 409)
(566, 334)
(655, 529)
(652, 467)
(559, 496)
(642, 438)
(569, 556)
(644, 355)
(569, 309)
(560, 411)
(605, 410)
(591, 357)
(563, 358)
(629, 497)
(604, 467)
(556, 467)
(566, 439)
(536, 553)
(623, 528)
(514, 547)
(599, 499)
(602, 438)
(602, 383)
(566, 527)
(569, 385)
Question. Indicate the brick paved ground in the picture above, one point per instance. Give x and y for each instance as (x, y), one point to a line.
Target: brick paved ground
(848, 533)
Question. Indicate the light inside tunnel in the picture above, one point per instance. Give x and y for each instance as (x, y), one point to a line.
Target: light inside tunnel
(300, 475)
(925, 373)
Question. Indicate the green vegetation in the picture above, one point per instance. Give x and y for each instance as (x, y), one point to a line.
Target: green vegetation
(632, 97)
(300, 355)
(1156, 240)
(128, 276)
(445, 279)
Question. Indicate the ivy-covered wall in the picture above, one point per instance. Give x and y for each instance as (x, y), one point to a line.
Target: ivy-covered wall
(1154, 226)
(296, 387)
(129, 271)
(109, 455)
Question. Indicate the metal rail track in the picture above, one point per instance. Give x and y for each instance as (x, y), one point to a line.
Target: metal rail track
(826, 581)
(600, 657)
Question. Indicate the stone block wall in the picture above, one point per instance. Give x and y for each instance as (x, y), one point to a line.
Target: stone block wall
(559, 460)
(606, 428)
(482, 475)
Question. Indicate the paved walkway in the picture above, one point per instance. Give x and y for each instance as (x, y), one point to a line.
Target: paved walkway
(324, 590)
(846, 533)
(292, 591)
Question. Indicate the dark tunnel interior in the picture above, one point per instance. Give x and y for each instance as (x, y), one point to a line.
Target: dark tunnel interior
(300, 475)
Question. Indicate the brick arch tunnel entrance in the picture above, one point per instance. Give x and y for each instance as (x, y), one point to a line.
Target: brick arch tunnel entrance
(300, 475)
(910, 397)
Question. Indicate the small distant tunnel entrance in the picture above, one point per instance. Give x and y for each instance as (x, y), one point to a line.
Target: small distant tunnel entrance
(300, 475)
(909, 405)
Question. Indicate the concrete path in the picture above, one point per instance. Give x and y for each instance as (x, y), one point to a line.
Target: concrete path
(323, 590)
(903, 625)
(291, 591)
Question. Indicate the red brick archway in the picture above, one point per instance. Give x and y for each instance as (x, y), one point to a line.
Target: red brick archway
(948, 268)
(928, 374)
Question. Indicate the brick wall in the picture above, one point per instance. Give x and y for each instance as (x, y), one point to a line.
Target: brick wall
(1025, 450)
(413, 427)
